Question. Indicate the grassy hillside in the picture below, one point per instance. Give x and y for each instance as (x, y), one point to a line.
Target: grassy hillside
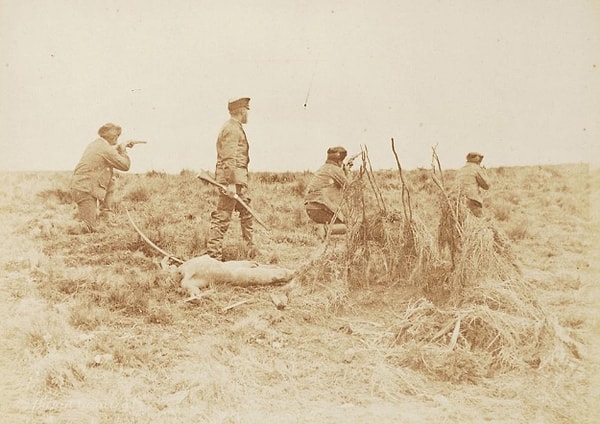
(380, 327)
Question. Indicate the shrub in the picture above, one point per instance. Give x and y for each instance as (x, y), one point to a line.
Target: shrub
(158, 174)
(299, 187)
(88, 316)
(518, 231)
(62, 371)
(502, 211)
(57, 195)
(137, 194)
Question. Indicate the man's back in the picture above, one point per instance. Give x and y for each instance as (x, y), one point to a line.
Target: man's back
(326, 186)
(470, 179)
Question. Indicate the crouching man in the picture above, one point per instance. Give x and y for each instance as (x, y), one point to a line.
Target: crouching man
(92, 181)
(471, 179)
(325, 192)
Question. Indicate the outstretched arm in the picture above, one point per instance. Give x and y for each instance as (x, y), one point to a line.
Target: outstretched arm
(117, 157)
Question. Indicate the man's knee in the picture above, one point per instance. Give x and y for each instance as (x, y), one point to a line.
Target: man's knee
(475, 207)
(220, 218)
(87, 211)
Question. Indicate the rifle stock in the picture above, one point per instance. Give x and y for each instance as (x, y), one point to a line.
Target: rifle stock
(205, 176)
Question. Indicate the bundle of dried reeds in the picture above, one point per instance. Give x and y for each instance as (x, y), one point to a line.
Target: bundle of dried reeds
(477, 316)
(499, 327)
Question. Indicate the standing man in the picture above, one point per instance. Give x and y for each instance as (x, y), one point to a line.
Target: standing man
(471, 179)
(232, 172)
(325, 190)
(92, 180)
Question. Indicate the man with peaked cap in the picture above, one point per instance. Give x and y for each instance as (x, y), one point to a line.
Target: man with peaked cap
(232, 172)
(471, 179)
(325, 191)
(92, 180)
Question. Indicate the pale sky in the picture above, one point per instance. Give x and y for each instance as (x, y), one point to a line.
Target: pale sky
(517, 80)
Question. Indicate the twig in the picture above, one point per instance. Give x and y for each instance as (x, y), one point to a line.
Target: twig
(373, 182)
(455, 334)
(405, 192)
(439, 166)
(234, 305)
(150, 242)
(199, 296)
(440, 183)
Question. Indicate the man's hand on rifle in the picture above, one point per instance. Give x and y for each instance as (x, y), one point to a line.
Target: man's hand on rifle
(231, 190)
(121, 147)
(350, 162)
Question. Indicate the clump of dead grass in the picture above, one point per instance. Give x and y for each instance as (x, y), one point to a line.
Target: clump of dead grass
(499, 326)
(476, 317)
(56, 195)
(324, 279)
(61, 371)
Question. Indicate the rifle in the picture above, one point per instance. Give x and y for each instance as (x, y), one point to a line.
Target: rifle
(350, 160)
(204, 175)
(132, 143)
(348, 165)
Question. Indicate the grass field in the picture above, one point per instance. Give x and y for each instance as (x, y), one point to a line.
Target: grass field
(95, 331)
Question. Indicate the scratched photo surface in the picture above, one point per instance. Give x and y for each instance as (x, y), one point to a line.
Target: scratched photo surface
(335, 211)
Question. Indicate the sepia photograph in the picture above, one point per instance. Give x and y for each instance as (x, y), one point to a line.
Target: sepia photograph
(300, 211)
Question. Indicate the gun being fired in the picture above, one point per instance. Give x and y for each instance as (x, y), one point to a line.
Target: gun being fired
(132, 143)
(351, 159)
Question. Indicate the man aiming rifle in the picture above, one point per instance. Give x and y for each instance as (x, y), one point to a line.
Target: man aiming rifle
(92, 182)
(325, 191)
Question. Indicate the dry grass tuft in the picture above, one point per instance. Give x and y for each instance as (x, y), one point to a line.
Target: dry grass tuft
(324, 279)
(61, 371)
(498, 328)
(56, 195)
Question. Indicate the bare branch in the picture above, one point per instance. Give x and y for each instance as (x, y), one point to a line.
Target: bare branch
(406, 206)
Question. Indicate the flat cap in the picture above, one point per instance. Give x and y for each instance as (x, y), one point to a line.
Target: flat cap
(337, 151)
(238, 103)
(109, 128)
(473, 155)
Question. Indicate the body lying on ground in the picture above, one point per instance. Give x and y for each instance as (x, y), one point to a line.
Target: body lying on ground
(198, 273)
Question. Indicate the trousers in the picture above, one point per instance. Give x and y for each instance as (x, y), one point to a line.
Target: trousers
(320, 213)
(87, 205)
(220, 219)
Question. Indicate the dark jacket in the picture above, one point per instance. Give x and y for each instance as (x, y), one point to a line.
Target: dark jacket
(232, 154)
(327, 186)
